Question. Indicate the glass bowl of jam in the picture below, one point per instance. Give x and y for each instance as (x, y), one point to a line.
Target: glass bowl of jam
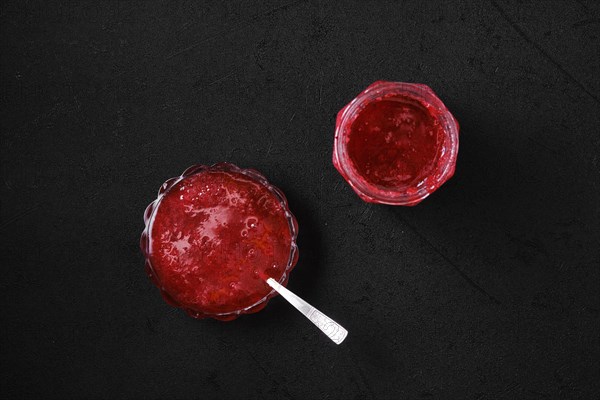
(395, 143)
(212, 237)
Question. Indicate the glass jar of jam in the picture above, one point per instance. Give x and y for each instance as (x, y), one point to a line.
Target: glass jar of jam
(395, 143)
(212, 238)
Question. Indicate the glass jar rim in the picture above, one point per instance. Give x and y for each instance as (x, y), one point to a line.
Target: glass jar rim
(375, 92)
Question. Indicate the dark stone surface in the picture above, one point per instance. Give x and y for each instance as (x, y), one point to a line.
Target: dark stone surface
(487, 290)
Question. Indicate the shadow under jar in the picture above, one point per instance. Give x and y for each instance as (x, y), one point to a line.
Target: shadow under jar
(212, 238)
(395, 143)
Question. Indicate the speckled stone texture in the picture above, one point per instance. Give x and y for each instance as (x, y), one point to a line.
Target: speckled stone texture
(489, 289)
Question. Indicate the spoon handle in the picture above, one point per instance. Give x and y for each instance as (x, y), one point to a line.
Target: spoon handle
(332, 329)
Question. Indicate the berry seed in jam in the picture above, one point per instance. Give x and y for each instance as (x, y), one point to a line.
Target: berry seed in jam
(396, 143)
(212, 238)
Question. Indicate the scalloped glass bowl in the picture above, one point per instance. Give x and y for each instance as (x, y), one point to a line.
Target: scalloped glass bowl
(150, 213)
(444, 167)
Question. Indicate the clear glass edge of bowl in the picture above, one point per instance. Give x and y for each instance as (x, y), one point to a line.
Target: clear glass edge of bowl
(222, 166)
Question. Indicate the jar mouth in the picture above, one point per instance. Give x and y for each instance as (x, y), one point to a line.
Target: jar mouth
(149, 216)
(411, 194)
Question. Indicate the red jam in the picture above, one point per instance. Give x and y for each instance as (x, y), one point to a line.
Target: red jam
(396, 143)
(212, 238)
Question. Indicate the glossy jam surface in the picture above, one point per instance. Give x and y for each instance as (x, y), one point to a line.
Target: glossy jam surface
(395, 142)
(212, 238)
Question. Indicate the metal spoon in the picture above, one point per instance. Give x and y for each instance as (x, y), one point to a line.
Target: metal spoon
(332, 329)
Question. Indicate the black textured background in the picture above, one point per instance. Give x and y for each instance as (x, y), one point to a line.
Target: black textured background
(487, 290)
